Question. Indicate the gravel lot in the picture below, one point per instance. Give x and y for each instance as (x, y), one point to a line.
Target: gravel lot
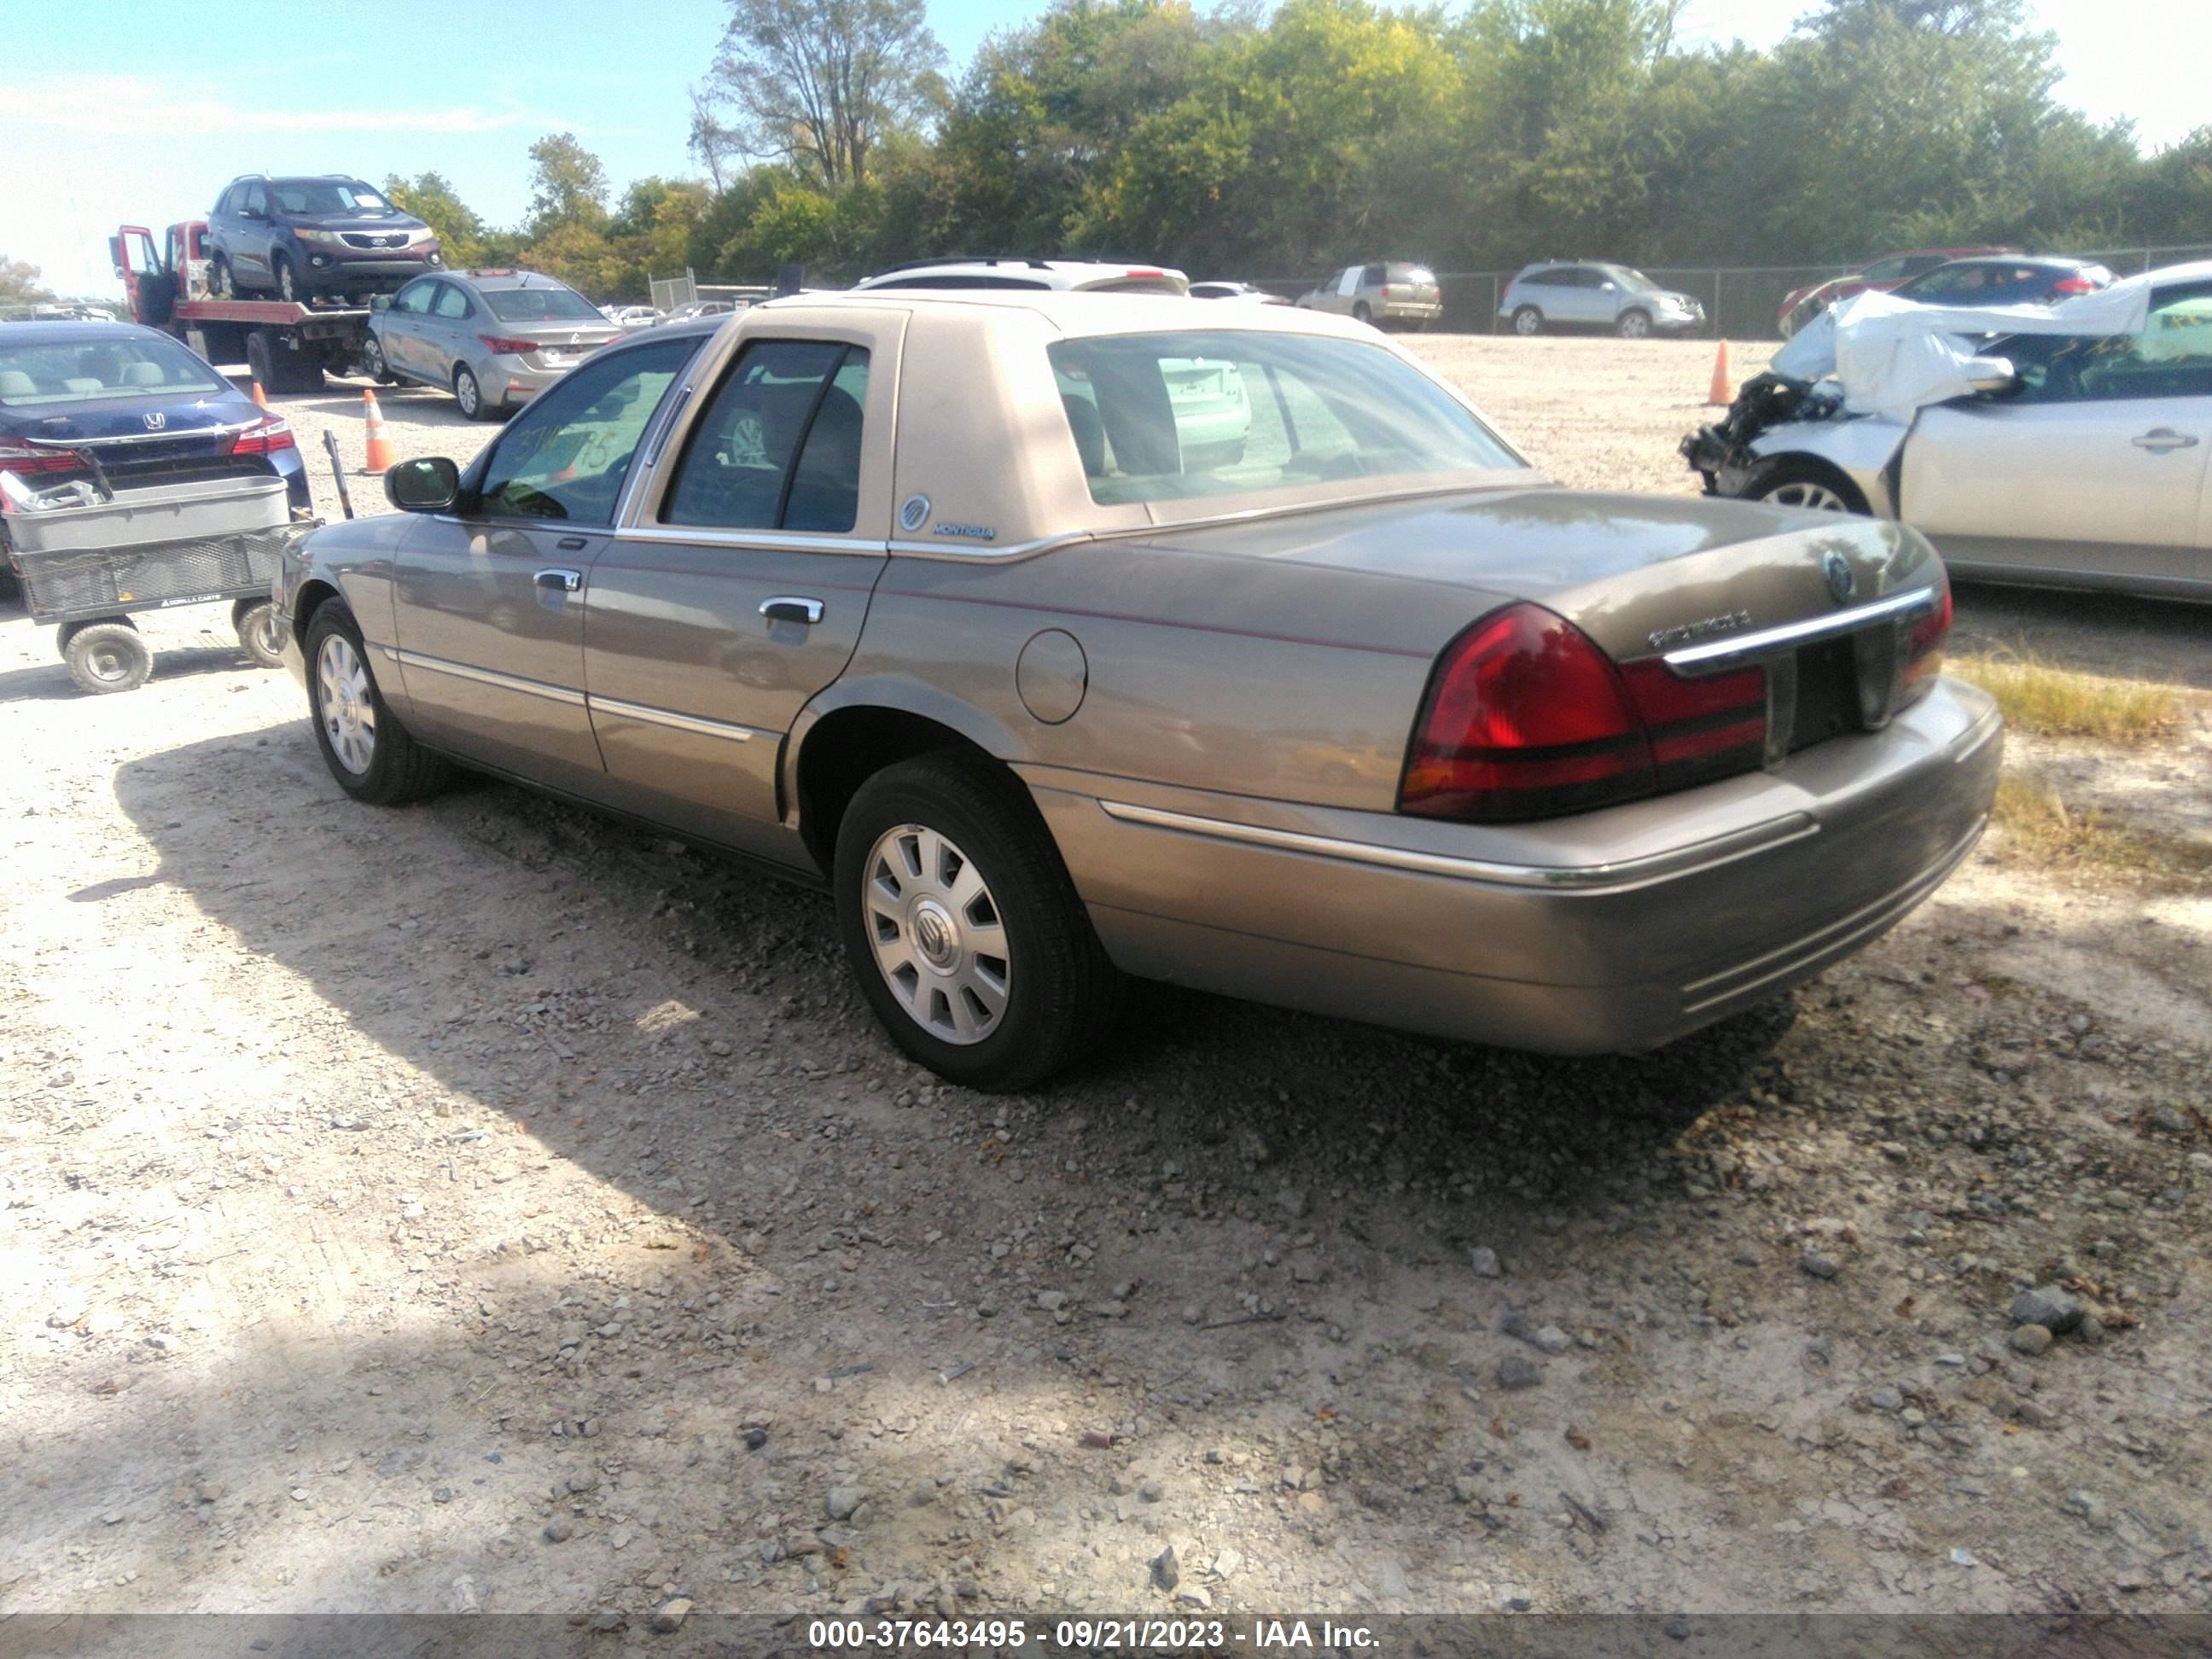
(486, 1204)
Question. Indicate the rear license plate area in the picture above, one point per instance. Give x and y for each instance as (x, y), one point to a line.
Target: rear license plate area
(1828, 702)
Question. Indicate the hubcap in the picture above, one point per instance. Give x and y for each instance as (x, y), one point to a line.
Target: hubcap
(346, 705)
(465, 392)
(108, 663)
(1526, 322)
(284, 282)
(268, 635)
(1634, 327)
(938, 939)
(1813, 497)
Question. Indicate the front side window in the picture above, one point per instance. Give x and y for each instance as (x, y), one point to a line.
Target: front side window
(415, 299)
(566, 455)
(256, 200)
(778, 447)
(1177, 417)
(2171, 358)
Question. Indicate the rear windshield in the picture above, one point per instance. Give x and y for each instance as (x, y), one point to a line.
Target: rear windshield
(85, 370)
(539, 305)
(326, 196)
(1225, 412)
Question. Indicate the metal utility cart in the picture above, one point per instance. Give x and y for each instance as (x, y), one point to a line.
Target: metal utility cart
(90, 567)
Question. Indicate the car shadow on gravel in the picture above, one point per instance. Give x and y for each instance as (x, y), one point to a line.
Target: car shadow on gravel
(1216, 1088)
(2115, 634)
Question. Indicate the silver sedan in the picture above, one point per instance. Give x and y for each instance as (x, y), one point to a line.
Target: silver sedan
(493, 338)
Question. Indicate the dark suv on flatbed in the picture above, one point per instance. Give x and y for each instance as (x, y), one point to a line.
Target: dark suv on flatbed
(297, 238)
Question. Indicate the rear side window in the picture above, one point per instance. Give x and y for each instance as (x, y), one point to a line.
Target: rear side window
(86, 371)
(778, 447)
(1178, 415)
(451, 301)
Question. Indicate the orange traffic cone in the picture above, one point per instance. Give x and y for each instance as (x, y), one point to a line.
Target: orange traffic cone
(260, 397)
(1720, 393)
(380, 457)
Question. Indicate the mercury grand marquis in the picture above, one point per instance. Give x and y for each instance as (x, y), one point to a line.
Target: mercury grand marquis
(929, 598)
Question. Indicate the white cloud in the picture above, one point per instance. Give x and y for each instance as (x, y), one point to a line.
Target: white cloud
(132, 105)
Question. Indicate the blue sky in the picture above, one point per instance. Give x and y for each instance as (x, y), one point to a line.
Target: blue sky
(142, 115)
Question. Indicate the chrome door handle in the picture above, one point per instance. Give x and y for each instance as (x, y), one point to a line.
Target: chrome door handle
(560, 581)
(2161, 439)
(790, 609)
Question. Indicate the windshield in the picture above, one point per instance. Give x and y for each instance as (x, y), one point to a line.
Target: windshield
(1629, 277)
(1224, 412)
(85, 370)
(326, 196)
(540, 304)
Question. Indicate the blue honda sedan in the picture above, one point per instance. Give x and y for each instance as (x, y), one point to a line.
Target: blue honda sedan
(130, 406)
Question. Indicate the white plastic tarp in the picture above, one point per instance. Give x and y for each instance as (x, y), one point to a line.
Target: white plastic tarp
(1893, 355)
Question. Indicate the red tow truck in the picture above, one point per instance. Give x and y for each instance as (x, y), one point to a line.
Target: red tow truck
(286, 347)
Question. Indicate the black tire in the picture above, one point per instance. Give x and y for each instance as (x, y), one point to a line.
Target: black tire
(1528, 322)
(470, 395)
(260, 631)
(372, 363)
(399, 769)
(260, 362)
(286, 280)
(1360, 314)
(221, 283)
(1634, 324)
(1061, 994)
(103, 657)
(1798, 481)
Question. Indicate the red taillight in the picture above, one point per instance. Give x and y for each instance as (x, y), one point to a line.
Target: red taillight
(26, 460)
(1923, 651)
(264, 438)
(501, 346)
(1386, 290)
(1526, 718)
(1700, 729)
(2072, 285)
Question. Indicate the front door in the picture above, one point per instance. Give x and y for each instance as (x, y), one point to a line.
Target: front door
(488, 609)
(2097, 465)
(400, 330)
(739, 590)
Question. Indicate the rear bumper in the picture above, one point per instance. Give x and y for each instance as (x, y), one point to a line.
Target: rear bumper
(1658, 919)
(1409, 311)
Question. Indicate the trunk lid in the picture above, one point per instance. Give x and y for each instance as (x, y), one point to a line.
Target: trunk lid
(561, 345)
(1623, 568)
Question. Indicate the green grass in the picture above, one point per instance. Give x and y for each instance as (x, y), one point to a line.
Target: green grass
(2060, 702)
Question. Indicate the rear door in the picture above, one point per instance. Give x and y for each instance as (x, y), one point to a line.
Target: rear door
(489, 607)
(2097, 466)
(738, 588)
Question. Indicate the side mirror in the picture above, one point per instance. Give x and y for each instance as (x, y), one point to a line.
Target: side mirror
(431, 485)
(379, 303)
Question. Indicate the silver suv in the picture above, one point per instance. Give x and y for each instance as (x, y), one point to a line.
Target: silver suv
(1585, 295)
(1068, 275)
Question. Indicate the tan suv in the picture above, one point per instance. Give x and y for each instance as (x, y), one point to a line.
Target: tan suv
(1396, 294)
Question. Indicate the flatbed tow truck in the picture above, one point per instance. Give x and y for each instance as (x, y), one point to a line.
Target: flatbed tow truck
(285, 346)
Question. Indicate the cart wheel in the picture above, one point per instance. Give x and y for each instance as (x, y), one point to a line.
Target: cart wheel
(261, 630)
(107, 656)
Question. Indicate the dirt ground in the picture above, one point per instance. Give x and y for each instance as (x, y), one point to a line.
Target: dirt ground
(488, 1205)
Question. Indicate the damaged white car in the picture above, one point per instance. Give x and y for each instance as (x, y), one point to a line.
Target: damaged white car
(2061, 446)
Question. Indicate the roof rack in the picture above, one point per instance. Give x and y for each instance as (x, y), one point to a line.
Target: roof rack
(965, 259)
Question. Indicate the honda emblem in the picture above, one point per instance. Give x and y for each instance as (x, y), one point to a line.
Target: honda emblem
(155, 420)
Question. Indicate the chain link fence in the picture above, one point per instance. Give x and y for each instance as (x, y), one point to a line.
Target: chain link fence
(1742, 303)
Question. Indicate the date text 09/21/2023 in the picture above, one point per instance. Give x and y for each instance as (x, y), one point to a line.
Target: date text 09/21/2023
(1261, 1636)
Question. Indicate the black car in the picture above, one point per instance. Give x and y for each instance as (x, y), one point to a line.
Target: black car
(2009, 279)
(298, 238)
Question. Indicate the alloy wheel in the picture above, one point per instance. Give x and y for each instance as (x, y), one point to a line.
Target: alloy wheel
(346, 704)
(940, 941)
(466, 392)
(1806, 494)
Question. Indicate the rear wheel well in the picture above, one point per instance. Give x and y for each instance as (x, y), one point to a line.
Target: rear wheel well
(847, 748)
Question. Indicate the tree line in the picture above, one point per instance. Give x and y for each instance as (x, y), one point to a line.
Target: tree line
(1243, 142)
